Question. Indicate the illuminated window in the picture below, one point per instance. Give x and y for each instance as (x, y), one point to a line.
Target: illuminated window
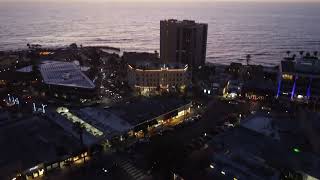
(287, 77)
(62, 164)
(181, 113)
(296, 150)
(41, 172)
(300, 96)
(35, 175)
(76, 158)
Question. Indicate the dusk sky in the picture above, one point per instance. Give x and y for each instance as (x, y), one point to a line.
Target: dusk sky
(302, 1)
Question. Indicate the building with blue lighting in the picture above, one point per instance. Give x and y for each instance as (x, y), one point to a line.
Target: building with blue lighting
(299, 79)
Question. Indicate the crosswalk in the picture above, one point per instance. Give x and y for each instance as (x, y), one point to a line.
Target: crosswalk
(133, 172)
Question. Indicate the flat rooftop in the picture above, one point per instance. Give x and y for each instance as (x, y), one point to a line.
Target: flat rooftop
(26, 69)
(263, 125)
(134, 57)
(264, 86)
(32, 141)
(273, 152)
(302, 66)
(15, 76)
(182, 22)
(145, 65)
(143, 109)
(64, 74)
(107, 122)
(242, 165)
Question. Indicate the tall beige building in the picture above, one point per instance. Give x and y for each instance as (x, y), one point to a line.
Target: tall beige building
(183, 42)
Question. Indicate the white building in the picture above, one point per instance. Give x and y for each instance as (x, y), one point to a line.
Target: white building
(155, 77)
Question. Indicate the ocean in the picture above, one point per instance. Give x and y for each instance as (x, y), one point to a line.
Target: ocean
(264, 30)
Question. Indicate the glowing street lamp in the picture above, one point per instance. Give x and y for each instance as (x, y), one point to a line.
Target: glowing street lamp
(296, 150)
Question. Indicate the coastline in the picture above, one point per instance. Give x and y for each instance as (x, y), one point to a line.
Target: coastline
(119, 51)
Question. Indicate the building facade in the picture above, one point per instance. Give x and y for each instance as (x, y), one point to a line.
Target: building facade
(299, 79)
(183, 42)
(149, 78)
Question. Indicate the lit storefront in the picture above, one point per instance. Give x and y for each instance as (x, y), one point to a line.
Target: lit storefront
(259, 90)
(169, 119)
(232, 90)
(42, 169)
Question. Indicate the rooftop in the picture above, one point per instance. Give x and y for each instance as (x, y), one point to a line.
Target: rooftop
(262, 124)
(157, 66)
(275, 153)
(105, 121)
(134, 57)
(30, 142)
(64, 74)
(263, 86)
(15, 76)
(242, 165)
(183, 22)
(26, 69)
(141, 110)
(302, 65)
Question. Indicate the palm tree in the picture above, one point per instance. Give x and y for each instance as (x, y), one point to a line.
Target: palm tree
(315, 53)
(248, 59)
(293, 56)
(301, 53)
(79, 129)
(288, 53)
(308, 54)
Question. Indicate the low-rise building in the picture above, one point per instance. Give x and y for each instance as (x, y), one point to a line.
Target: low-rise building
(239, 164)
(134, 57)
(233, 89)
(299, 79)
(148, 78)
(66, 80)
(259, 90)
(132, 118)
(275, 147)
(34, 147)
(148, 114)
(99, 124)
